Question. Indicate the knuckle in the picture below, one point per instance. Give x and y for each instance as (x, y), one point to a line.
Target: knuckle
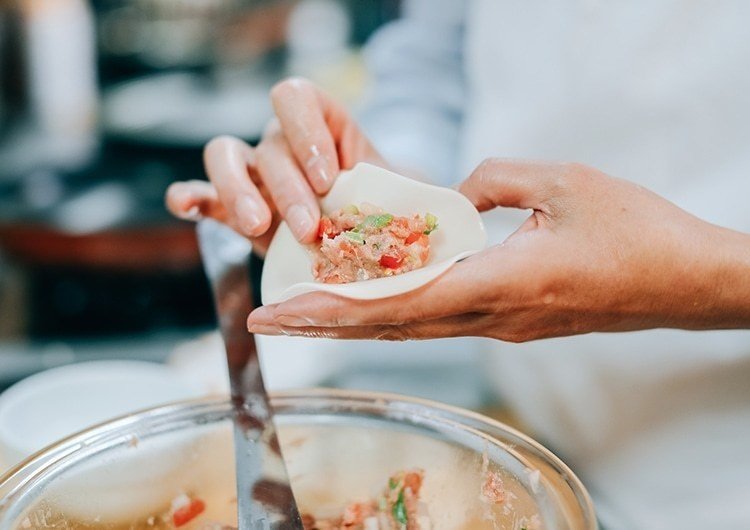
(336, 320)
(490, 170)
(567, 178)
(396, 333)
(575, 173)
(486, 169)
(480, 178)
(491, 161)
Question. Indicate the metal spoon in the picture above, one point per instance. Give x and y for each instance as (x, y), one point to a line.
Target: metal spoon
(264, 496)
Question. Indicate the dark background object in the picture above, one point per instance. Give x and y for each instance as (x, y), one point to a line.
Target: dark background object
(91, 264)
(75, 250)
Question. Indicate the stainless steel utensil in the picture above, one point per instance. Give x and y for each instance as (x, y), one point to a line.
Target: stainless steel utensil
(264, 496)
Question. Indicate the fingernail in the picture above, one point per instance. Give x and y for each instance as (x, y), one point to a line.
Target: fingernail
(265, 330)
(262, 316)
(191, 214)
(296, 322)
(299, 220)
(247, 217)
(318, 165)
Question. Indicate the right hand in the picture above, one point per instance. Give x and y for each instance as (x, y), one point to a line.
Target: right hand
(301, 153)
(597, 254)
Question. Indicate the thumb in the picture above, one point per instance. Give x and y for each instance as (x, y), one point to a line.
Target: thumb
(511, 183)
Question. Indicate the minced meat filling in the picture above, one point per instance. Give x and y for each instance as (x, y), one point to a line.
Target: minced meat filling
(397, 508)
(364, 242)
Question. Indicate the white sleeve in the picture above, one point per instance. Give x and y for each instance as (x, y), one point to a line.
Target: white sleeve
(415, 112)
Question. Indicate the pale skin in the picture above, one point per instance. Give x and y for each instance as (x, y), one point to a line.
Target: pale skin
(596, 254)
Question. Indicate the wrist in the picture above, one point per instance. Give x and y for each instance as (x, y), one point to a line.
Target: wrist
(723, 296)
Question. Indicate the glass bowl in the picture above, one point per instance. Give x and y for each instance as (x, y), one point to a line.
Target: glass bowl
(340, 447)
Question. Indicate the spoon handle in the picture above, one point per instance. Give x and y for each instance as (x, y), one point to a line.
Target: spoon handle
(264, 496)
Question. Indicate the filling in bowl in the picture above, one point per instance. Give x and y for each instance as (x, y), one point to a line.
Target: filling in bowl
(398, 506)
(449, 489)
(364, 242)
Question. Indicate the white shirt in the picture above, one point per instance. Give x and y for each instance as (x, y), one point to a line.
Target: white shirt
(656, 423)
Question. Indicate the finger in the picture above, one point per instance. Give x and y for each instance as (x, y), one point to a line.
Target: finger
(197, 199)
(227, 160)
(466, 325)
(303, 112)
(462, 289)
(512, 183)
(288, 187)
(193, 200)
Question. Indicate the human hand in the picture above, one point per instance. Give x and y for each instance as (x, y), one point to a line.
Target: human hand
(596, 254)
(302, 151)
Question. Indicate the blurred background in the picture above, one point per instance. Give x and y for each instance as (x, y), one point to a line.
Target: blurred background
(104, 103)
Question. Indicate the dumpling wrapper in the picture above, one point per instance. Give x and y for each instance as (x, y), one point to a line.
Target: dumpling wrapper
(288, 266)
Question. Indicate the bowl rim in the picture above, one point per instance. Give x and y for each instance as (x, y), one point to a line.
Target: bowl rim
(46, 457)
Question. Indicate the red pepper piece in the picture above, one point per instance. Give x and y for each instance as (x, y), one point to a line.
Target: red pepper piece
(325, 227)
(413, 238)
(390, 262)
(187, 513)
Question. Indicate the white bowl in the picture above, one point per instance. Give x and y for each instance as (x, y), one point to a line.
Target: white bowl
(54, 404)
(288, 270)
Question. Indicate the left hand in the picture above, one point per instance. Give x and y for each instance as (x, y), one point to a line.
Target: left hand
(597, 254)
(311, 139)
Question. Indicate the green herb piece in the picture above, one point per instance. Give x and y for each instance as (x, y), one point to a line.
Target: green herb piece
(432, 223)
(350, 209)
(355, 236)
(399, 509)
(376, 221)
(392, 483)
